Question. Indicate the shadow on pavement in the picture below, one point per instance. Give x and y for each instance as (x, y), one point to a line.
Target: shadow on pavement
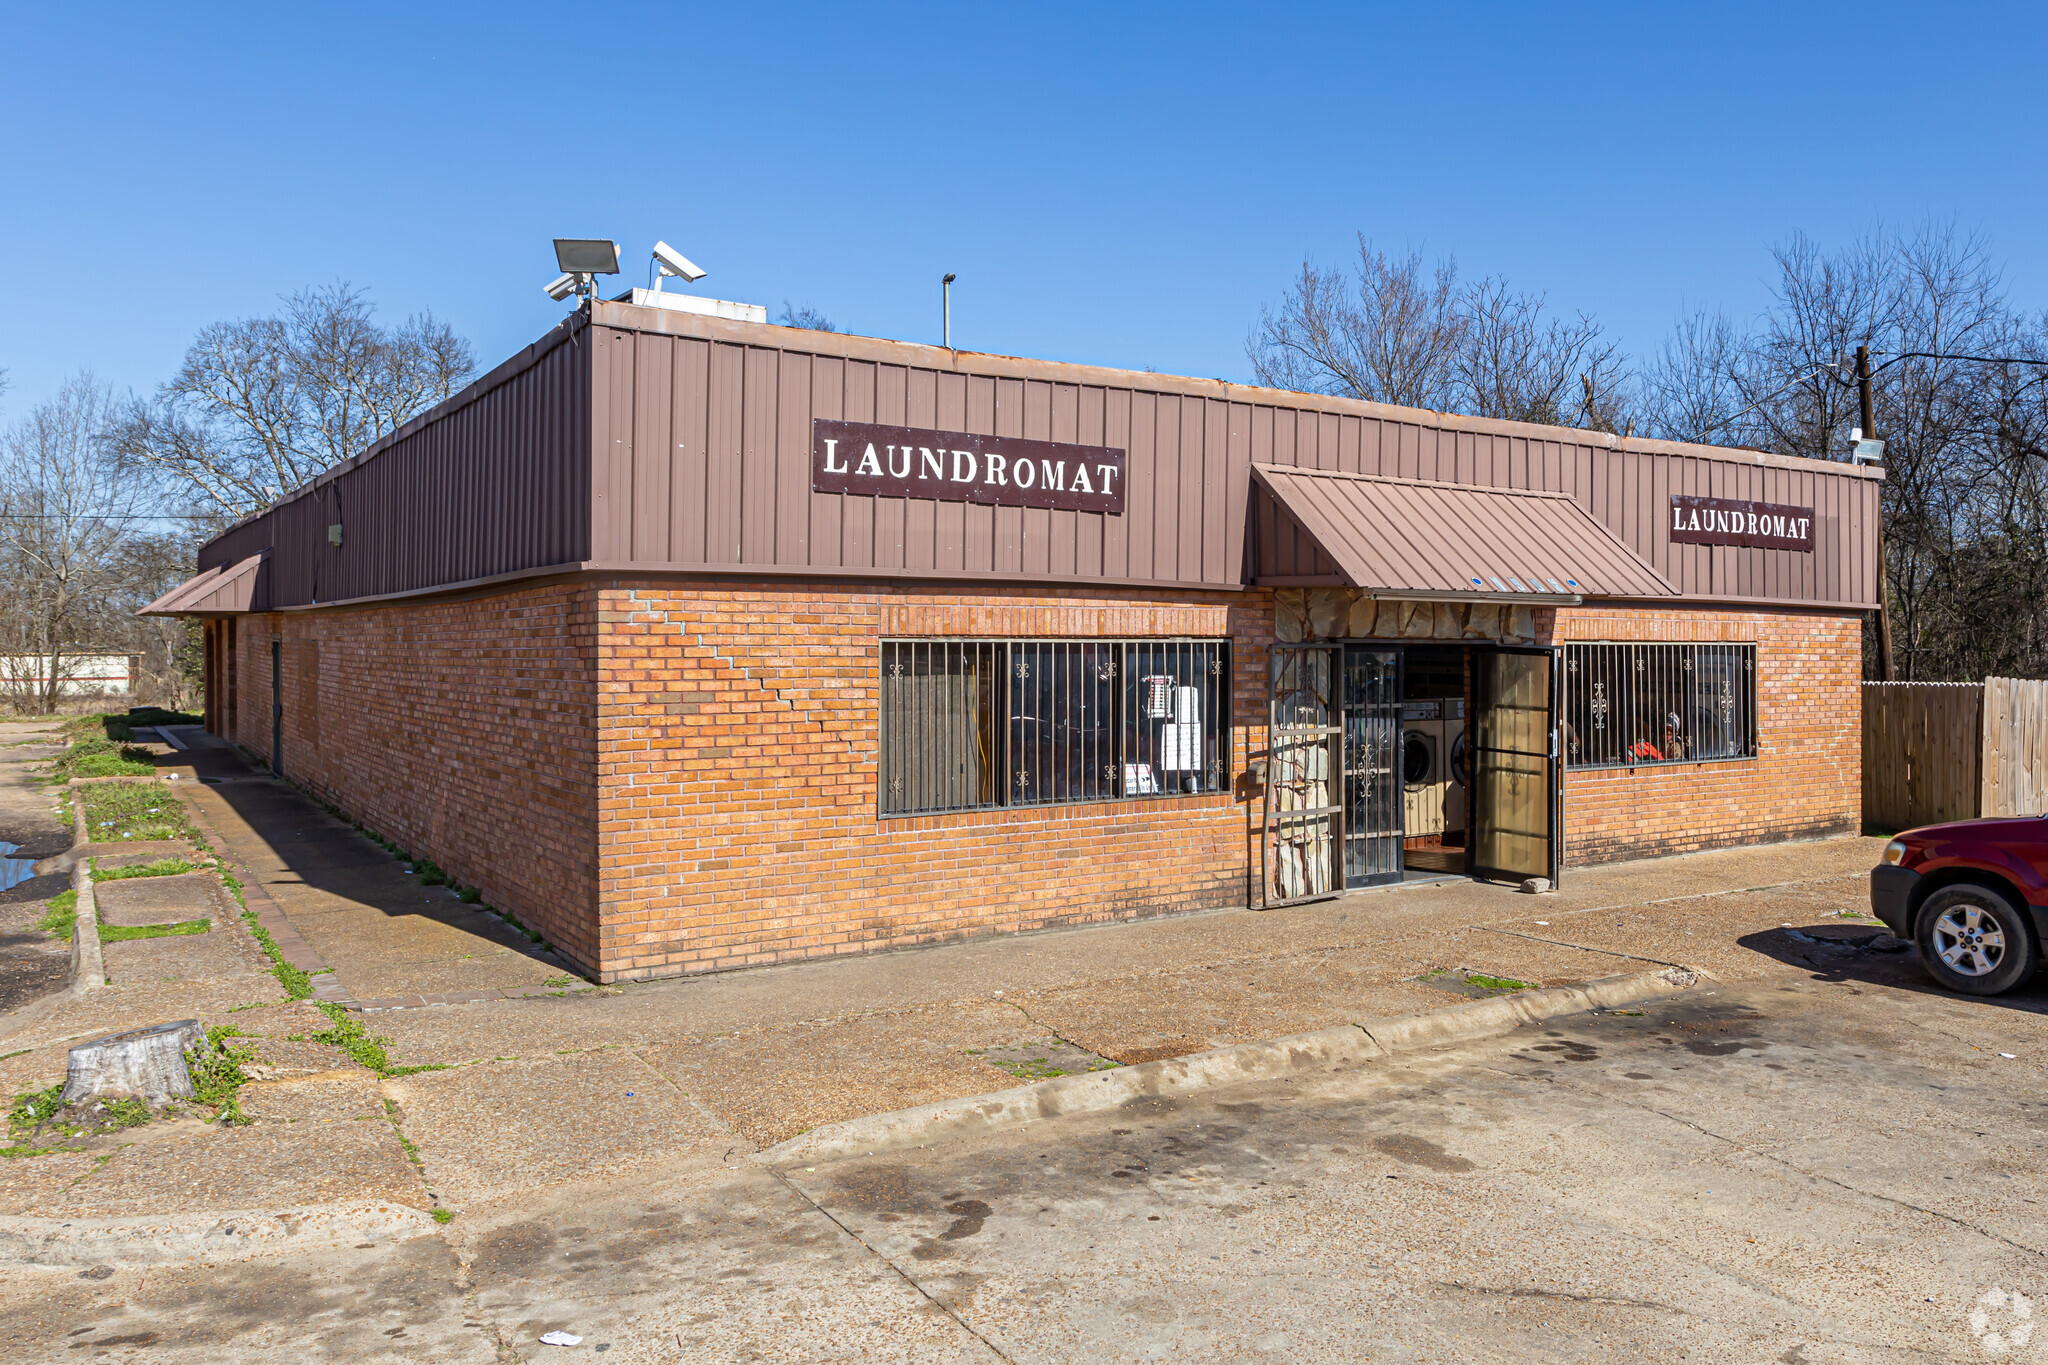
(1870, 955)
(380, 930)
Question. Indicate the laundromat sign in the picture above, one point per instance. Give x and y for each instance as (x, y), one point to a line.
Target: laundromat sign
(1725, 521)
(958, 466)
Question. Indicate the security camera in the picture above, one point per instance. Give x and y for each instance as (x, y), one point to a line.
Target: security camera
(673, 262)
(562, 288)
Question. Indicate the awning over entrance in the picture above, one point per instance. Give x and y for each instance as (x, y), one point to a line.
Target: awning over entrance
(223, 589)
(1410, 539)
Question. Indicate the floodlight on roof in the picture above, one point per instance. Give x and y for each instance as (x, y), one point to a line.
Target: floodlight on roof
(587, 255)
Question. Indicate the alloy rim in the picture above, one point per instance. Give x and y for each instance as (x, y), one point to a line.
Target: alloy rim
(1969, 941)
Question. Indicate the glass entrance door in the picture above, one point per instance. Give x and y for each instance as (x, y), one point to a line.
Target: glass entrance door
(1514, 764)
(1304, 744)
(1372, 746)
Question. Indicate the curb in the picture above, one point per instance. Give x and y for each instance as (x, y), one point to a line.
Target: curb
(1371, 1041)
(88, 965)
(206, 1236)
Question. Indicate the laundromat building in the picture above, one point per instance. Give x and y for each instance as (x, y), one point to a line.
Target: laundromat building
(699, 643)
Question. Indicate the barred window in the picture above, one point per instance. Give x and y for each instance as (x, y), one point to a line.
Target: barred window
(979, 724)
(1634, 705)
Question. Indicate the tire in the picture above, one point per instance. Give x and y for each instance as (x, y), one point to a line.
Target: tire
(1974, 940)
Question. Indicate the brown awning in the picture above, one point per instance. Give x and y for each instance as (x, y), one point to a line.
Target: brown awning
(1407, 538)
(217, 591)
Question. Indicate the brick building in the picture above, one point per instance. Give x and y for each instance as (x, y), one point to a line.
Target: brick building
(698, 642)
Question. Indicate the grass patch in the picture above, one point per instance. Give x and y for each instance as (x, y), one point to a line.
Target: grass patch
(127, 810)
(97, 757)
(122, 933)
(1497, 983)
(35, 1110)
(442, 1215)
(162, 867)
(60, 917)
(366, 1048)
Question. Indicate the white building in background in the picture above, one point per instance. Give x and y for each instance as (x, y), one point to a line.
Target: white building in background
(84, 675)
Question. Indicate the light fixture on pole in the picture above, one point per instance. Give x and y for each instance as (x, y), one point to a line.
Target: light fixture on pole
(946, 305)
(582, 260)
(668, 261)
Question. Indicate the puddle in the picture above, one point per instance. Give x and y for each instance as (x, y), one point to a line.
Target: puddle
(14, 871)
(1042, 1060)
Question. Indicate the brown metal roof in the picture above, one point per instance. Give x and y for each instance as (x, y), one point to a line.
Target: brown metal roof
(1410, 537)
(216, 591)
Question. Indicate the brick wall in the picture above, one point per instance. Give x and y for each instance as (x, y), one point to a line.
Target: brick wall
(464, 730)
(737, 753)
(1807, 778)
(677, 777)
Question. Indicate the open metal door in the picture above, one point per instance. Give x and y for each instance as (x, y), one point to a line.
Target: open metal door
(1373, 813)
(1514, 765)
(1301, 846)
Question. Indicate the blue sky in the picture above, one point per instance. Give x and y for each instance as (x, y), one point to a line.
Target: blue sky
(1113, 184)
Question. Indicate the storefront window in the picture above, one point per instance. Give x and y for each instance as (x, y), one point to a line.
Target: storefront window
(1630, 705)
(969, 724)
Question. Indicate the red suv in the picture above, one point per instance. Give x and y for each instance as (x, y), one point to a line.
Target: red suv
(1973, 895)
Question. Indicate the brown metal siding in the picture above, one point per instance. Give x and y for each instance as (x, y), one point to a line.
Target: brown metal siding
(743, 495)
(673, 441)
(494, 481)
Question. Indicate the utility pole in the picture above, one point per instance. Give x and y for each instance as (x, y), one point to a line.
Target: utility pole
(1884, 572)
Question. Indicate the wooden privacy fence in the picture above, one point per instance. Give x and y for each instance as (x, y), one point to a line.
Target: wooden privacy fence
(1954, 751)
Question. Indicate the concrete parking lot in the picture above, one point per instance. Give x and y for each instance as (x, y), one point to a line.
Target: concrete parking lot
(1831, 1164)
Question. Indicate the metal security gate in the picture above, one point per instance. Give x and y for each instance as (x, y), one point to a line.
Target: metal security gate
(1300, 846)
(1514, 764)
(1372, 786)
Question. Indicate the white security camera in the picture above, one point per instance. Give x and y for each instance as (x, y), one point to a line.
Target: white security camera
(562, 288)
(673, 262)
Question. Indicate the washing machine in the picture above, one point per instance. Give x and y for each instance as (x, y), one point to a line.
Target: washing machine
(1425, 776)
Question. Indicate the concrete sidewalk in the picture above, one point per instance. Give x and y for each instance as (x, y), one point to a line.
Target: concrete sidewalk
(550, 1089)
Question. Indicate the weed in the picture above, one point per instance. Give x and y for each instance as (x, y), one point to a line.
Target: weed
(441, 1215)
(121, 933)
(429, 873)
(252, 1005)
(18, 1052)
(162, 867)
(366, 1048)
(297, 985)
(471, 895)
(60, 917)
(557, 980)
(412, 1153)
(217, 1075)
(32, 1109)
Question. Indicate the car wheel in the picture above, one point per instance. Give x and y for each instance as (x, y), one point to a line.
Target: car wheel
(1972, 939)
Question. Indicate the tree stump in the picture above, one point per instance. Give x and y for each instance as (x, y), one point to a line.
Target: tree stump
(147, 1063)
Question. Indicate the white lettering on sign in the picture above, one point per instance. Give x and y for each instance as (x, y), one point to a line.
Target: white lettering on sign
(1755, 525)
(954, 466)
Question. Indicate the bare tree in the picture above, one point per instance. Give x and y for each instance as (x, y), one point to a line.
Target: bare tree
(804, 316)
(1693, 389)
(66, 516)
(1385, 332)
(1519, 364)
(1389, 332)
(262, 405)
